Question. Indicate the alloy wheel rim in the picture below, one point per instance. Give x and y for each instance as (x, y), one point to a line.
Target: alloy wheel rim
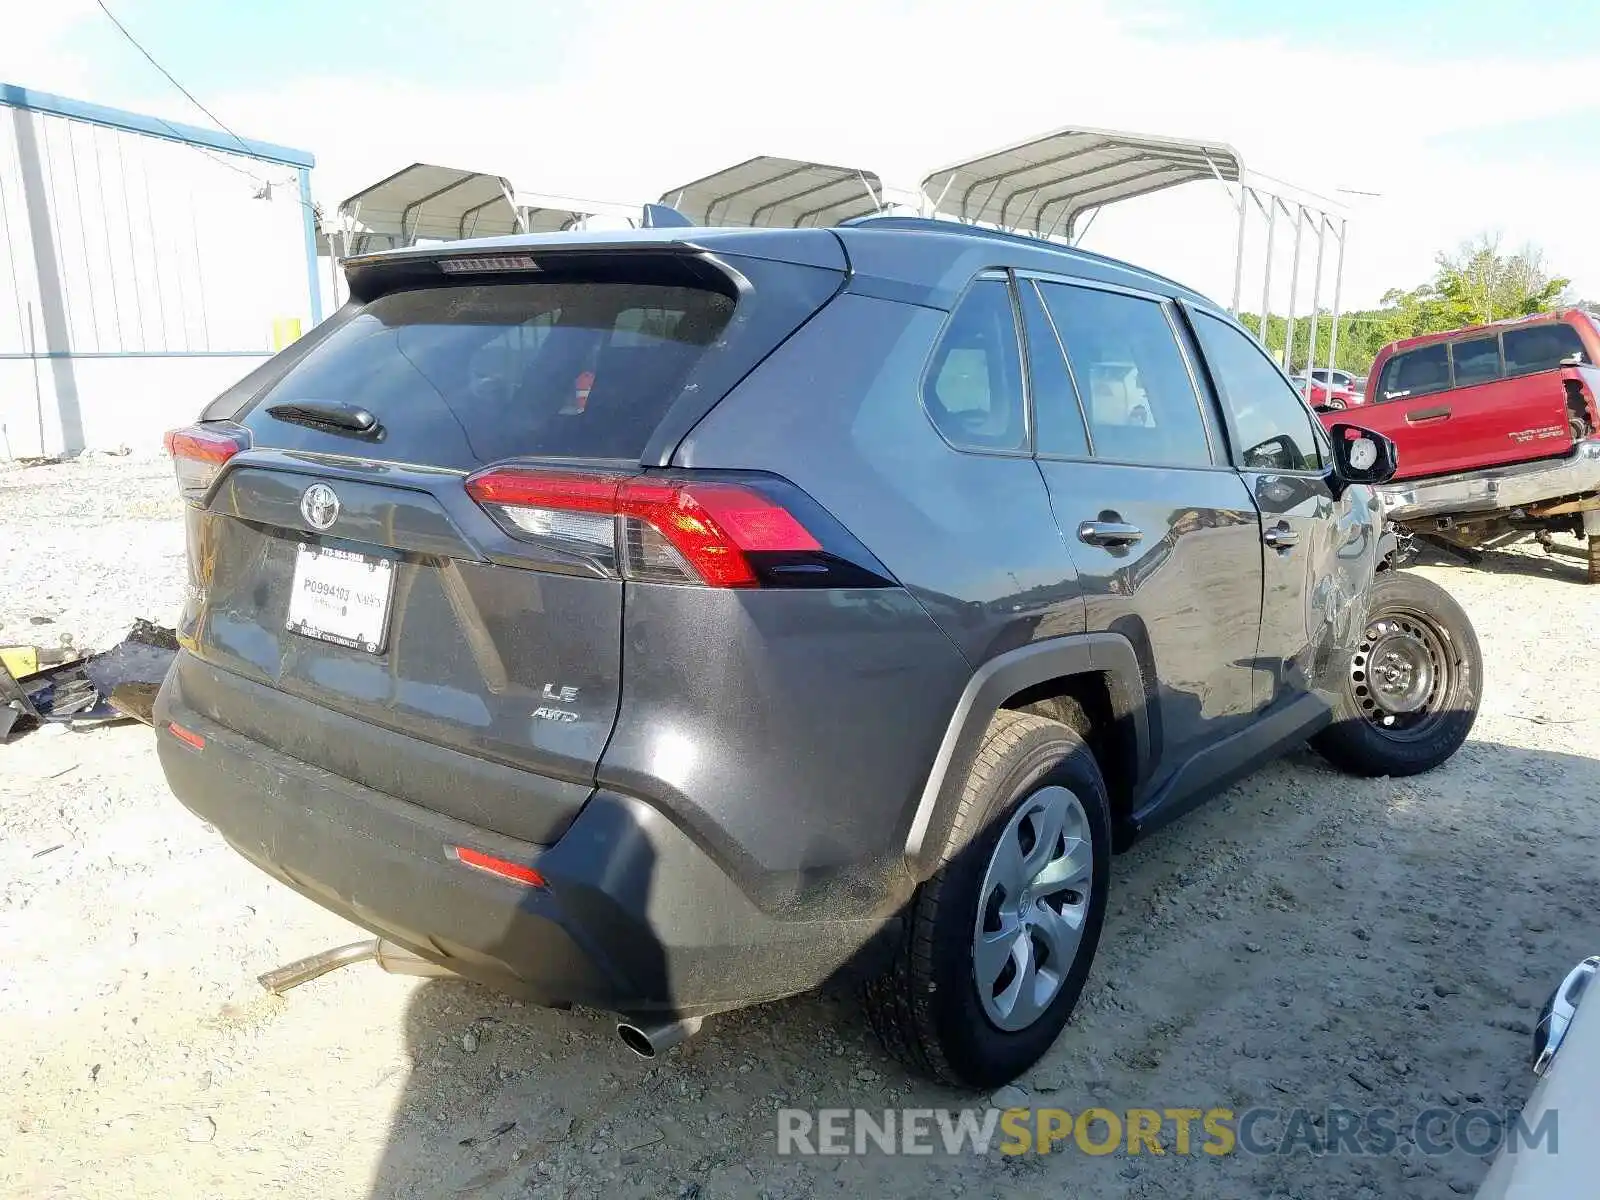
(1032, 908)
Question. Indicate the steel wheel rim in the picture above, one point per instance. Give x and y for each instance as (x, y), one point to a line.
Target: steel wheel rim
(1402, 674)
(1032, 908)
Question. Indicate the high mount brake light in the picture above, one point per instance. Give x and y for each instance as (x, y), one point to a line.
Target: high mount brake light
(488, 262)
(648, 529)
(199, 454)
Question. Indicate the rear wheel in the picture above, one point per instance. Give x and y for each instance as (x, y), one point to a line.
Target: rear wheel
(1411, 693)
(999, 941)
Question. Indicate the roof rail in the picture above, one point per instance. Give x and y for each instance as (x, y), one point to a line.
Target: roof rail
(941, 225)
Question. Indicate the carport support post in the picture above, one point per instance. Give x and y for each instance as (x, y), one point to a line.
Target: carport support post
(308, 216)
(1294, 284)
(1238, 248)
(1266, 268)
(1316, 293)
(1338, 288)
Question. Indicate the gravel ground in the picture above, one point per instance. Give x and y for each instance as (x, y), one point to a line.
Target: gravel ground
(1305, 940)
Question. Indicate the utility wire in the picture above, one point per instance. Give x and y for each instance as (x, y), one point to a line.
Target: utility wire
(150, 58)
(216, 120)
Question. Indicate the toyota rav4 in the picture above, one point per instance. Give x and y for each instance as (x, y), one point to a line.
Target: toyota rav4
(673, 620)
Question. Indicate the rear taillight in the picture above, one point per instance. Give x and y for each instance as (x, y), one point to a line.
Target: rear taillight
(744, 533)
(199, 453)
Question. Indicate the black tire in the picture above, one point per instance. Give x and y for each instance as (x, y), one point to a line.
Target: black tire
(926, 1008)
(1366, 739)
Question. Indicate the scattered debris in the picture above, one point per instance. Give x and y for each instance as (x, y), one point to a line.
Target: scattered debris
(203, 1129)
(469, 1042)
(64, 686)
(22, 661)
(1011, 1096)
(500, 1130)
(141, 659)
(136, 700)
(47, 850)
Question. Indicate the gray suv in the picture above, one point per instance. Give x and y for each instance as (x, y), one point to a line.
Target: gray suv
(674, 620)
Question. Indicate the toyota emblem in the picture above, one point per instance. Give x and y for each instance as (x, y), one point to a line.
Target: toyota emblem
(319, 506)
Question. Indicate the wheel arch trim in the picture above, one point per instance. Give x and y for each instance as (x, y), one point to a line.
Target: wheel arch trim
(1108, 654)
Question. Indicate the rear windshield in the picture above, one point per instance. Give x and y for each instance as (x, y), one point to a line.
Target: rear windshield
(462, 376)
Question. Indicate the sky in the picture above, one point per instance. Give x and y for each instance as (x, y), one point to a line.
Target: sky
(1459, 116)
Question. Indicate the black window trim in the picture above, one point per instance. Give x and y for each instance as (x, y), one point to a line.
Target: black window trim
(1072, 376)
(1191, 314)
(1166, 304)
(988, 274)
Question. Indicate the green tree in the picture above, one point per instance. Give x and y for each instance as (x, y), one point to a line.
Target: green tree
(1475, 285)
(1482, 285)
(1361, 335)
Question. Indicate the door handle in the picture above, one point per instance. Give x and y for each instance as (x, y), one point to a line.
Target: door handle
(1418, 416)
(1280, 537)
(1109, 533)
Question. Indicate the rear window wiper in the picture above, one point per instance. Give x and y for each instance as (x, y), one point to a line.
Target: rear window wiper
(332, 416)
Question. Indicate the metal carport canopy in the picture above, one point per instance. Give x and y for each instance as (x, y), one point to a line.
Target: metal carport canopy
(544, 213)
(1044, 185)
(429, 201)
(781, 193)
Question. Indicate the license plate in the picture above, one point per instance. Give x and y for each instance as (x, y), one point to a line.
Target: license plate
(342, 597)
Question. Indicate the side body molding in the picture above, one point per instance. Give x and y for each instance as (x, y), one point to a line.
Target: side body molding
(1110, 654)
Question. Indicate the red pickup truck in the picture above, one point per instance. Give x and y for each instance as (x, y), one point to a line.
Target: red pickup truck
(1496, 427)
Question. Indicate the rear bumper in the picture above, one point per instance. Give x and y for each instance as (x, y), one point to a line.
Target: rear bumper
(1497, 488)
(635, 917)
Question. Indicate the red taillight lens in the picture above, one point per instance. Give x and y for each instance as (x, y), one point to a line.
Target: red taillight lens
(198, 454)
(516, 872)
(710, 527)
(651, 530)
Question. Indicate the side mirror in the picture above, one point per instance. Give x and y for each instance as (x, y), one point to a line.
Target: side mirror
(1361, 456)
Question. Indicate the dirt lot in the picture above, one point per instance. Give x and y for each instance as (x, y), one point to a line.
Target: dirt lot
(1303, 940)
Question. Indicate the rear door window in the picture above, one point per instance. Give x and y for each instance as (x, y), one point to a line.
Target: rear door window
(1541, 348)
(1416, 373)
(1136, 388)
(1476, 360)
(973, 390)
(462, 376)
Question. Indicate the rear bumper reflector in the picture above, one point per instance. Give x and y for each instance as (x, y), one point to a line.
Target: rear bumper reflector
(516, 872)
(187, 736)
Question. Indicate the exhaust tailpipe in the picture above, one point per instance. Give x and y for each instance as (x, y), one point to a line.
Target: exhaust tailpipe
(651, 1040)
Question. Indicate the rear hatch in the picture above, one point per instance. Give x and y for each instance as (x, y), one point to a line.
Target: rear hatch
(405, 538)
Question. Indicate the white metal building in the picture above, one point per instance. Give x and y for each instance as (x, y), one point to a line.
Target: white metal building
(144, 267)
